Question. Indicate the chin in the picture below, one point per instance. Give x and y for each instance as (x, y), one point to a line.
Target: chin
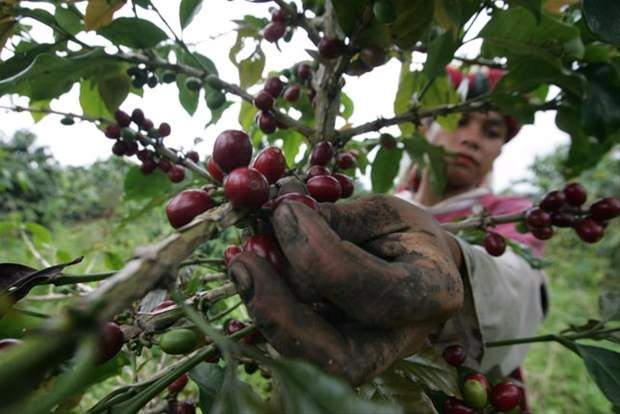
(461, 177)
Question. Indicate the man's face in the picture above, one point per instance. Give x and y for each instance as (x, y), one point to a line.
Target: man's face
(472, 147)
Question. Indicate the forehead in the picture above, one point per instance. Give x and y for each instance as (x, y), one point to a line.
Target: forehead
(490, 116)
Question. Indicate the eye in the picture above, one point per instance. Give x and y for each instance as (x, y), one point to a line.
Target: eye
(492, 131)
(463, 121)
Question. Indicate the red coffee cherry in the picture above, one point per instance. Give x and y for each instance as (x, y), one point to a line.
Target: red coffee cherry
(273, 86)
(122, 118)
(278, 15)
(267, 247)
(186, 205)
(345, 183)
(304, 72)
(454, 355)
(230, 253)
(7, 343)
(589, 230)
(233, 325)
(271, 163)
(176, 173)
(576, 194)
(296, 198)
(132, 148)
(274, 31)
(311, 94)
(316, 170)
(193, 155)
(246, 188)
(178, 384)
(181, 407)
(254, 338)
(165, 304)
(505, 396)
(164, 129)
(345, 160)
(292, 93)
(164, 165)
(494, 243)
(119, 148)
(330, 47)
(542, 233)
(263, 101)
(267, 123)
(537, 218)
(455, 406)
(324, 188)
(144, 155)
(553, 201)
(214, 170)
(322, 153)
(113, 131)
(137, 116)
(147, 124)
(110, 342)
(562, 219)
(148, 166)
(605, 209)
(232, 149)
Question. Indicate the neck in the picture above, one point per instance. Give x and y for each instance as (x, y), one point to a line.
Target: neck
(427, 197)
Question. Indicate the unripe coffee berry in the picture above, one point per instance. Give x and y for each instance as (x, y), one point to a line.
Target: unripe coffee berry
(324, 188)
(186, 205)
(232, 149)
(246, 188)
(271, 163)
(178, 341)
(176, 173)
(454, 355)
(474, 394)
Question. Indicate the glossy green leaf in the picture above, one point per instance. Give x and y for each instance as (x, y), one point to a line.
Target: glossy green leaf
(428, 368)
(44, 104)
(114, 89)
(187, 98)
(188, 10)
(602, 17)
(138, 186)
(210, 379)
(91, 101)
(68, 20)
(533, 6)
(251, 68)
(133, 32)
(348, 12)
(40, 15)
(292, 141)
(600, 114)
(216, 114)
(247, 114)
(346, 106)
(604, 367)
(440, 53)
(413, 19)
(384, 169)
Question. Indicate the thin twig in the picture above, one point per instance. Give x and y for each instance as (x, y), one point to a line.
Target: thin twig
(33, 249)
(300, 20)
(483, 221)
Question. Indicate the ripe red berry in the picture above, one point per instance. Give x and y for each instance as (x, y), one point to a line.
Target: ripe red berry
(119, 148)
(324, 188)
(271, 163)
(214, 170)
(330, 47)
(148, 166)
(233, 325)
(181, 407)
(292, 93)
(537, 218)
(176, 173)
(505, 396)
(311, 94)
(144, 155)
(178, 384)
(266, 122)
(193, 155)
(165, 304)
(605, 209)
(455, 406)
(278, 15)
(589, 230)
(576, 194)
(254, 338)
(387, 141)
(542, 233)
(494, 243)
(186, 205)
(137, 116)
(164, 129)
(273, 86)
(345, 183)
(267, 247)
(304, 72)
(263, 101)
(113, 131)
(147, 124)
(316, 170)
(562, 219)
(274, 31)
(454, 355)
(122, 118)
(246, 188)
(296, 198)
(110, 342)
(164, 165)
(230, 253)
(553, 201)
(232, 149)
(322, 153)
(345, 160)
(132, 148)
(8, 342)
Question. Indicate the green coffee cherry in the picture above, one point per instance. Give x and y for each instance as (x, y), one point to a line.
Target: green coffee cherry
(168, 77)
(384, 11)
(215, 99)
(474, 394)
(178, 341)
(193, 84)
(214, 82)
(67, 120)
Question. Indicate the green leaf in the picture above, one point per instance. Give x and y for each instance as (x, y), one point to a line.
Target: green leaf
(68, 20)
(533, 6)
(114, 89)
(138, 186)
(91, 101)
(188, 10)
(292, 141)
(44, 104)
(440, 53)
(251, 69)
(604, 367)
(41, 234)
(40, 15)
(413, 19)
(426, 154)
(238, 397)
(112, 260)
(602, 17)
(600, 111)
(392, 386)
(402, 102)
(100, 12)
(346, 106)
(246, 115)
(187, 98)
(133, 32)
(348, 13)
(63, 256)
(385, 169)
(210, 379)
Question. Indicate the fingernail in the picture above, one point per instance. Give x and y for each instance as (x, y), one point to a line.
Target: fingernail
(242, 280)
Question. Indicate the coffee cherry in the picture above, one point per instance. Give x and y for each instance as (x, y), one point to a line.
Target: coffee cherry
(324, 188)
(345, 183)
(494, 243)
(232, 149)
(186, 205)
(311, 94)
(357, 67)
(193, 155)
(576, 194)
(165, 304)
(292, 93)
(263, 101)
(169, 77)
(164, 165)
(278, 15)
(387, 141)
(454, 355)
(267, 247)
(562, 219)
(214, 358)
(271, 163)
(274, 31)
(316, 170)
(345, 160)
(605, 209)
(267, 123)
(137, 116)
(477, 376)
(181, 407)
(193, 84)
(230, 253)
(144, 155)
(7, 343)
(110, 342)
(147, 124)
(373, 56)
(178, 384)
(455, 406)
(112, 131)
(322, 153)
(215, 99)
(164, 129)
(119, 148)
(474, 394)
(132, 148)
(246, 188)
(152, 81)
(505, 396)
(589, 230)
(542, 233)
(330, 47)
(384, 11)
(296, 198)
(67, 120)
(148, 166)
(254, 338)
(178, 341)
(553, 201)
(273, 86)
(176, 173)
(233, 325)
(214, 170)
(537, 218)
(122, 118)
(304, 72)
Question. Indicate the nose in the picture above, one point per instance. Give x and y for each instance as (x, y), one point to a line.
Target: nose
(469, 136)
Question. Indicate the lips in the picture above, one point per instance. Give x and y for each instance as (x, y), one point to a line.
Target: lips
(461, 158)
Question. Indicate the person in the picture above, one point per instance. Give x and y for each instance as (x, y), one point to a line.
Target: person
(375, 279)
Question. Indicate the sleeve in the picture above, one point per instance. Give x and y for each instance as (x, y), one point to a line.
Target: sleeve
(502, 301)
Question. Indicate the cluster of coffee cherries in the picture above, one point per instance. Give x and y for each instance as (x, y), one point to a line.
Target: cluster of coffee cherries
(277, 29)
(128, 143)
(563, 208)
(477, 391)
(145, 75)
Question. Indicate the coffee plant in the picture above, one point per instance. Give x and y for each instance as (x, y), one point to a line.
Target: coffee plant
(288, 150)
